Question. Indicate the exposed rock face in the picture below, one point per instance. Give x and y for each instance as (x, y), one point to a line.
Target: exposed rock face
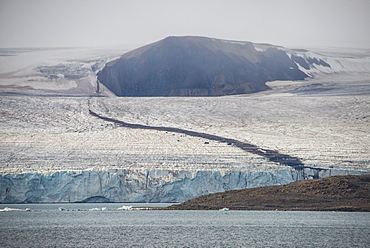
(142, 185)
(197, 66)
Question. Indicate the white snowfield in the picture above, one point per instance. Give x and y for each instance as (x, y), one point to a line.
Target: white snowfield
(54, 142)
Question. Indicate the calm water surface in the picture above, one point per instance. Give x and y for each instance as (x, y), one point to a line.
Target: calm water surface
(46, 226)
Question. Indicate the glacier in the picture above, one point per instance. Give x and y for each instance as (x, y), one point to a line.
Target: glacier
(53, 150)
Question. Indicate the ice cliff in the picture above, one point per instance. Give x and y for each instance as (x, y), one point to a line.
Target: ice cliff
(143, 185)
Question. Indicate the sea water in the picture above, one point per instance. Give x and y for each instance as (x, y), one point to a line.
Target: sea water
(87, 225)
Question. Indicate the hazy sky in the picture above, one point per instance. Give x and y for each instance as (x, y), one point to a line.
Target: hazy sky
(291, 23)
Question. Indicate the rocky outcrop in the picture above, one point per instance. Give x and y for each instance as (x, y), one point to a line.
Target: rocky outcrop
(142, 185)
(197, 66)
(340, 193)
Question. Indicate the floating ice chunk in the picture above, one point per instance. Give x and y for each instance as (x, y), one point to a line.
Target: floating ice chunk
(224, 209)
(94, 209)
(125, 208)
(6, 209)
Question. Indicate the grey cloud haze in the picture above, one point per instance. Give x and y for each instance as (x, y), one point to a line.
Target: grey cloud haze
(292, 23)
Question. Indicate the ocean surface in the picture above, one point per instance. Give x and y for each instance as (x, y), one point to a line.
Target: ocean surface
(86, 225)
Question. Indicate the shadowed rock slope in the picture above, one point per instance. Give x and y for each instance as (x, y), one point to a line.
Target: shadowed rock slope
(339, 193)
(197, 66)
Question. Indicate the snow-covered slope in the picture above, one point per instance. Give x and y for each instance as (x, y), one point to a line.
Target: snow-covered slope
(319, 64)
(54, 71)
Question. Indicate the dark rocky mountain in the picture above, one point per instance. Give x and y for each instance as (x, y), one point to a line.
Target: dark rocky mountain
(341, 193)
(197, 66)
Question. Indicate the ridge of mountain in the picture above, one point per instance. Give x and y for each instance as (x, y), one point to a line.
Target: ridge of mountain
(199, 66)
(334, 193)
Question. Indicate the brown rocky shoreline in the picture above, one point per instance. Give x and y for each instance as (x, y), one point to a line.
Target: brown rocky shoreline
(335, 193)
